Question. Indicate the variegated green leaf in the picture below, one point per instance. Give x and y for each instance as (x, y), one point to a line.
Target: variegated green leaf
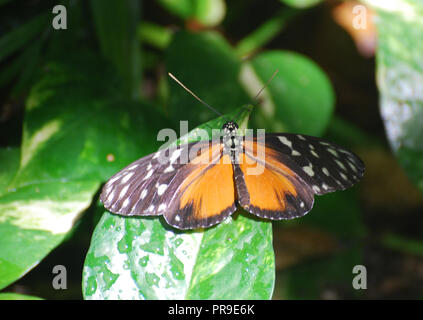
(75, 136)
(399, 78)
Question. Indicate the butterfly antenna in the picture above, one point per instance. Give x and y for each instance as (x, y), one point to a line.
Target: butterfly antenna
(266, 85)
(194, 95)
(255, 100)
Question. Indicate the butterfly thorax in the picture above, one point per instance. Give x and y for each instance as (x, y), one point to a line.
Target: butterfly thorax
(230, 140)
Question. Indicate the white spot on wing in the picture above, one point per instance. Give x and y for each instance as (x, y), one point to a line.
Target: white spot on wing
(352, 166)
(127, 177)
(110, 197)
(300, 137)
(161, 189)
(149, 174)
(316, 188)
(341, 165)
(133, 167)
(309, 170)
(314, 153)
(143, 194)
(295, 153)
(175, 155)
(123, 191)
(285, 141)
(112, 180)
(325, 171)
(169, 169)
(125, 203)
(333, 151)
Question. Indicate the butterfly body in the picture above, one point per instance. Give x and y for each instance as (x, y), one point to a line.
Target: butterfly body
(198, 185)
(231, 144)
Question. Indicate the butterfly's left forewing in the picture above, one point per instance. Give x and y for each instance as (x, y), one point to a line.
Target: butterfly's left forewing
(293, 168)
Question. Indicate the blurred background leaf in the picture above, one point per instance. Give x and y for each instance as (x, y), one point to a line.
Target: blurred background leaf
(400, 81)
(285, 106)
(116, 23)
(20, 36)
(207, 13)
(216, 81)
(301, 3)
(264, 33)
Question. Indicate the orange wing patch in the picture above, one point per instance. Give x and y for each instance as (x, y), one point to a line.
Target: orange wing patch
(266, 156)
(267, 190)
(209, 189)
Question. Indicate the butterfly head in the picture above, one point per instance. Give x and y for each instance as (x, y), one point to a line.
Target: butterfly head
(230, 128)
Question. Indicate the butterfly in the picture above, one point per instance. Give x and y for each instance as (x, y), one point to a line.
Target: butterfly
(199, 184)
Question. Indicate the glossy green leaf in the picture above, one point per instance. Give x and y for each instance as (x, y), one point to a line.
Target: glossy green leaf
(154, 34)
(403, 244)
(264, 33)
(116, 23)
(17, 38)
(207, 65)
(31, 64)
(76, 134)
(299, 99)
(17, 296)
(207, 12)
(301, 3)
(144, 258)
(210, 12)
(400, 78)
(9, 159)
